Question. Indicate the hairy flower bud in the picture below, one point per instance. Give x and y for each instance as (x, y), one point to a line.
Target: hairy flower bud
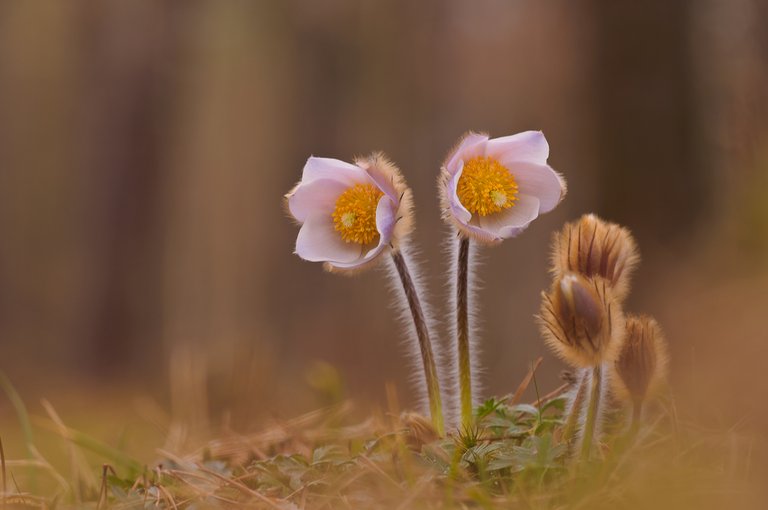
(581, 320)
(593, 247)
(641, 365)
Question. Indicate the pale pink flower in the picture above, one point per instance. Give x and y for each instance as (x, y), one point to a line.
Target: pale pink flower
(493, 189)
(349, 213)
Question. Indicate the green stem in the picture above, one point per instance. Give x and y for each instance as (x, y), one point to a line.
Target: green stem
(26, 426)
(425, 345)
(592, 411)
(569, 430)
(462, 333)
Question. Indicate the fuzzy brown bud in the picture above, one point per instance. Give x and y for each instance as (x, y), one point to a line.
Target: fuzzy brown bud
(641, 365)
(581, 320)
(593, 247)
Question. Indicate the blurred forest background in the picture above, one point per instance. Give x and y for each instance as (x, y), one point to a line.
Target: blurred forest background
(145, 148)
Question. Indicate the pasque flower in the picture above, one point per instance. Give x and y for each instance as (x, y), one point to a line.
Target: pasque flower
(492, 189)
(582, 322)
(349, 213)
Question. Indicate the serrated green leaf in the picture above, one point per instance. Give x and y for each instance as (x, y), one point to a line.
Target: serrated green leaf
(488, 407)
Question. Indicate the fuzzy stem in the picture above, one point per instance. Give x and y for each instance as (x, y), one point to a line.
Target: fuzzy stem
(462, 332)
(425, 345)
(569, 430)
(592, 411)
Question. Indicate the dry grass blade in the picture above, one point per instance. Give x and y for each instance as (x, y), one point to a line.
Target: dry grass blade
(415, 492)
(115, 456)
(103, 490)
(81, 470)
(526, 381)
(557, 392)
(374, 467)
(311, 427)
(277, 504)
(168, 496)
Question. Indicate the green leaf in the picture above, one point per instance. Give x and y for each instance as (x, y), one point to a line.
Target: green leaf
(525, 409)
(556, 403)
(489, 406)
(330, 454)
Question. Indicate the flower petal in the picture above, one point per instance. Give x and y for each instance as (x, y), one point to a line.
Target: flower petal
(457, 208)
(473, 144)
(539, 181)
(381, 181)
(528, 146)
(386, 217)
(317, 196)
(512, 221)
(318, 241)
(480, 233)
(329, 168)
(375, 251)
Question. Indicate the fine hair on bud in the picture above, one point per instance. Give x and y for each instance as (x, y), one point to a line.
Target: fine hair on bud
(593, 247)
(641, 365)
(581, 320)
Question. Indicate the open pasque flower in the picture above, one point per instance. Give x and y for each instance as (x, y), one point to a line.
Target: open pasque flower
(349, 213)
(492, 189)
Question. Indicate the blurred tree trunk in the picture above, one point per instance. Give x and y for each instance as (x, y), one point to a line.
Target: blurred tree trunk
(222, 216)
(646, 119)
(124, 97)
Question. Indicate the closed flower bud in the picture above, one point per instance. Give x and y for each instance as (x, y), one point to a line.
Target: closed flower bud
(641, 365)
(581, 320)
(593, 247)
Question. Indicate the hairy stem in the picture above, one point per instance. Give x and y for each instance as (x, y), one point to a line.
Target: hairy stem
(592, 412)
(569, 430)
(462, 332)
(425, 345)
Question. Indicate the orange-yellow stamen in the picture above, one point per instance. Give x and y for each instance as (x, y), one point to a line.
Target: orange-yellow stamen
(354, 216)
(486, 186)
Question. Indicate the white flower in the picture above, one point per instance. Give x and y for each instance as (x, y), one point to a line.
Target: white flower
(349, 213)
(493, 189)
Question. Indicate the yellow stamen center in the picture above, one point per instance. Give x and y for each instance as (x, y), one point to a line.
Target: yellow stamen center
(486, 186)
(354, 216)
